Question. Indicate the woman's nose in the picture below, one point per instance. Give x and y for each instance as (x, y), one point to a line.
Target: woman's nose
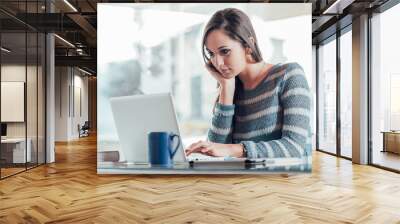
(219, 61)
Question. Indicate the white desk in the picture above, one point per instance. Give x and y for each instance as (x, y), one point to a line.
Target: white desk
(19, 149)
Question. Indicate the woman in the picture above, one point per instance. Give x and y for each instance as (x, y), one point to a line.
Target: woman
(262, 110)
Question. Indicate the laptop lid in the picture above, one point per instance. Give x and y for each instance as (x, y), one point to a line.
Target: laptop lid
(136, 116)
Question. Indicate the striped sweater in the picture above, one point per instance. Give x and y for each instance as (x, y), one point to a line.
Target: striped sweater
(271, 120)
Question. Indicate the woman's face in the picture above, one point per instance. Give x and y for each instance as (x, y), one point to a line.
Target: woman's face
(227, 55)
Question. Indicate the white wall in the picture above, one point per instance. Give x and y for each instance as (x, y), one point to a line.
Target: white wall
(12, 73)
(79, 117)
(61, 103)
(17, 73)
(70, 83)
(33, 126)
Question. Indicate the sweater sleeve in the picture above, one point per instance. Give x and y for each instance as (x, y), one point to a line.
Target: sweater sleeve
(295, 100)
(221, 126)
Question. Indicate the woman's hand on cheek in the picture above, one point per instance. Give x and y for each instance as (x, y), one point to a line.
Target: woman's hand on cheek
(218, 76)
(227, 85)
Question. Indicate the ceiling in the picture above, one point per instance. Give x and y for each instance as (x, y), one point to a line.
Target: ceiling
(76, 22)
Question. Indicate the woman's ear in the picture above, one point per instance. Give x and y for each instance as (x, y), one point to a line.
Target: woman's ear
(249, 56)
(248, 51)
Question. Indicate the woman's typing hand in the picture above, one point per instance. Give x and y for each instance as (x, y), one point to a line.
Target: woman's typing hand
(215, 149)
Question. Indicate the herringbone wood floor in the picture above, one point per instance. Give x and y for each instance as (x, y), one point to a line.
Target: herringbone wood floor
(70, 191)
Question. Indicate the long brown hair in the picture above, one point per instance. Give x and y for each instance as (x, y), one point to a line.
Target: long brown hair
(237, 25)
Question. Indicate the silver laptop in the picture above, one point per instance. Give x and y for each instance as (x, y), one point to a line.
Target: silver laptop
(136, 116)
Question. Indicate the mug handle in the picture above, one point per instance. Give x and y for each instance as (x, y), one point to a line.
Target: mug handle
(172, 136)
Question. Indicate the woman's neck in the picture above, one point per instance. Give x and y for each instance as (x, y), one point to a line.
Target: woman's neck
(254, 74)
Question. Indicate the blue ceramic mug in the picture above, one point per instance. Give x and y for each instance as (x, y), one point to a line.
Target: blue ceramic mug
(161, 150)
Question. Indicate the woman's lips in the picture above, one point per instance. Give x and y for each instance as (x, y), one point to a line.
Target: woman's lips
(225, 71)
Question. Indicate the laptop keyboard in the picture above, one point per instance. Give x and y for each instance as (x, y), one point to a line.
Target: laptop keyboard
(202, 157)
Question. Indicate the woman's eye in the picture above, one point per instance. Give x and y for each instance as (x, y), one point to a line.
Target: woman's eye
(225, 51)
